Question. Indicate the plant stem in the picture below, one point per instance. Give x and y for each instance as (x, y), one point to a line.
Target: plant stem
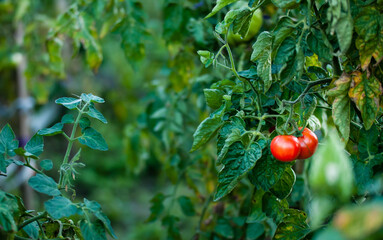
(234, 70)
(204, 209)
(27, 164)
(72, 139)
(308, 87)
(25, 223)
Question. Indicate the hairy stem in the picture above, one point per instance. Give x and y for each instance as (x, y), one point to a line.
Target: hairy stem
(25, 223)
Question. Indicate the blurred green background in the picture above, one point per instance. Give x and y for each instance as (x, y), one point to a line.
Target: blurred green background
(148, 73)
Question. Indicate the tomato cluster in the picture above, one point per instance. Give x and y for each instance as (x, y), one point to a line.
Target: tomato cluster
(287, 148)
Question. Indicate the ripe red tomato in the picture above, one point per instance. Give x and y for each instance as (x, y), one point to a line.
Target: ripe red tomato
(285, 148)
(308, 143)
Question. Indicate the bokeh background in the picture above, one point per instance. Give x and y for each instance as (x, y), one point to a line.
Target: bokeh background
(140, 56)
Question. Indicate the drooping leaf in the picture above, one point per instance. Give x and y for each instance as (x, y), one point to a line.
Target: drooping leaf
(319, 44)
(186, 205)
(344, 30)
(369, 27)
(208, 128)
(44, 184)
(237, 162)
(365, 92)
(92, 230)
(93, 139)
(95, 208)
(267, 171)
(286, 3)
(157, 207)
(54, 130)
(68, 102)
(90, 98)
(94, 113)
(284, 186)
(262, 50)
(60, 207)
(54, 47)
(219, 5)
(341, 105)
(8, 208)
(274, 207)
(293, 225)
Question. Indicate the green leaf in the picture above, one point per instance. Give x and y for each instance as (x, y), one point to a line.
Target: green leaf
(84, 123)
(319, 44)
(241, 23)
(8, 208)
(369, 27)
(233, 137)
(207, 128)
(173, 231)
(32, 230)
(93, 139)
(254, 231)
(224, 229)
(46, 164)
(365, 92)
(186, 205)
(94, 113)
(237, 162)
(341, 105)
(54, 47)
(274, 207)
(284, 29)
(54, 130)
(256, 214)
(90, 98)
(157, 207)
(286, 3)
(267, 171)
(60, 207)
(35, 145)
(284, 186)
(92, 230)
(219, 5)
(213, 97)
(68, 102)
(8, 143)
(293, 225)
(133, 33)
(344, 30)
(293, 69)
(67, 118)
(95, 208)
(206, 57)
(4, 163)
(262, 50)
(44, 184)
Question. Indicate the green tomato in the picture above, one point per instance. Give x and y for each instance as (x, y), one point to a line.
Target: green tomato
(255, 25)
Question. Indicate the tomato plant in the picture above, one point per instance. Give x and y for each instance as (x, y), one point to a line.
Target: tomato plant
(286, 148)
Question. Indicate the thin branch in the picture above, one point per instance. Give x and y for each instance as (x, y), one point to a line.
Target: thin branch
(25, 223)
(308, 87)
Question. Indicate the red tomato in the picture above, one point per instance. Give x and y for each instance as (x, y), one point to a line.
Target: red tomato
(308, 143)
(285, 148)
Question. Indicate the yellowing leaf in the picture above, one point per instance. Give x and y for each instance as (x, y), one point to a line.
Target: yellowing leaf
(365, 92)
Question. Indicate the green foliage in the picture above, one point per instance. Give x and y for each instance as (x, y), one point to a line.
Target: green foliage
(60, 208)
